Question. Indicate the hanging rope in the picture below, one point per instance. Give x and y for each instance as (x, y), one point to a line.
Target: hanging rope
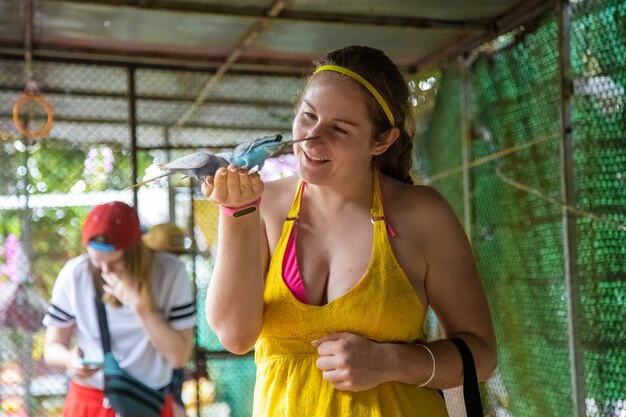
(523, 187)
(32, 93)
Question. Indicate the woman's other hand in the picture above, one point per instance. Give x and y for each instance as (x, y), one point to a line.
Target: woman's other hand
(350, 362)
(76, 367)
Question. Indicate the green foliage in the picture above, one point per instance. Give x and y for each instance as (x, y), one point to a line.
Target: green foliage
(50, 230)
(10, 223)
(55, 238)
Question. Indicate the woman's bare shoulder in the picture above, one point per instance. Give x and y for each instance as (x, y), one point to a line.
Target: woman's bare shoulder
(413, 195)
(421, 206)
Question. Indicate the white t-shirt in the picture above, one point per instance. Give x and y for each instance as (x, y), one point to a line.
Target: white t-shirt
(73, 303)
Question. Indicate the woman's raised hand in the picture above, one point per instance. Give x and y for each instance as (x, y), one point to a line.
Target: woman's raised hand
(233, 186)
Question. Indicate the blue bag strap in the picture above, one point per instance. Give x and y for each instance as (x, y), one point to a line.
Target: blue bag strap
(471, 392)
(103, 324)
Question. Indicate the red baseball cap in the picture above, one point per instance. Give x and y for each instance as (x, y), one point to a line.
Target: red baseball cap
(117, 222)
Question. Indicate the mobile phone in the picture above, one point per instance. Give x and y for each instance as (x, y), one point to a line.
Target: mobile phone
(91, 363)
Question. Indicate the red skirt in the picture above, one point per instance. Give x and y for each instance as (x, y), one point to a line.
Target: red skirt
(82, 401)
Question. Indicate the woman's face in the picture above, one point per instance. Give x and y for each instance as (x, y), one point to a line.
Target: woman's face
(107, 262)
(335, 109)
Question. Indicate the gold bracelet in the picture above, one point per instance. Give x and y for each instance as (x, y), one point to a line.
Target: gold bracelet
(432, 375)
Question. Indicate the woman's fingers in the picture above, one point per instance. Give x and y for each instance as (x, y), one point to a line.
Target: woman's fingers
(250, 185)
(232, 186)
(207, 186)
(256, 184)
(245, 186)
(220, 192)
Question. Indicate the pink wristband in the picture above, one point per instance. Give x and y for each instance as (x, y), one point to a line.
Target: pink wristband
(241, 210)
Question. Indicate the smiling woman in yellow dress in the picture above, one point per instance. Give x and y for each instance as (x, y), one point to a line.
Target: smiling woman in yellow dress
(329, 273)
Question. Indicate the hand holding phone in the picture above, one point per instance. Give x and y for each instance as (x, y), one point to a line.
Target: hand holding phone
(91, 364)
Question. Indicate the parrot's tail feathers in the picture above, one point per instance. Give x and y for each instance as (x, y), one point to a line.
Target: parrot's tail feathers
(139, 184)
(149, 180)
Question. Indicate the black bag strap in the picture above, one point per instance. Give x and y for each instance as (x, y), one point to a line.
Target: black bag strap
(471, 392)
(104, 326)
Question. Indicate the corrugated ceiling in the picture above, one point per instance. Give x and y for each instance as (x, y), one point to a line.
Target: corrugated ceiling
(212, 73)
(247, 35)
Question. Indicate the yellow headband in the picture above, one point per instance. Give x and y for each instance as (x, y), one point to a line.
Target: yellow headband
(365, 84)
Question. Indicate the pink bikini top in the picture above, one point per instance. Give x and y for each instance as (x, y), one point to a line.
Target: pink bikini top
(291, 271)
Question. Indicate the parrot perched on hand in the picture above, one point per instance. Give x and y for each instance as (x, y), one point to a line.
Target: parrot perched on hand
(251, 154)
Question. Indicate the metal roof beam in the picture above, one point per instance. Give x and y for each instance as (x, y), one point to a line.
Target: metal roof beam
(295, 15)
(210, 100)
(161, 60)
(523, 12)
(254, 31)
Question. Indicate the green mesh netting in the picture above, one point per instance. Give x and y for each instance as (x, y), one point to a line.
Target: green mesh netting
(518, 236)
(515, 201)
(599, 133)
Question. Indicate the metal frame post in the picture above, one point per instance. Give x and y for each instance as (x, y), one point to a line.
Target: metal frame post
(572, 278)
(466, 145)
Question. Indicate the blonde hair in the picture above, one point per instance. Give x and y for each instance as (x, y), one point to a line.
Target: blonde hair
(137, 261)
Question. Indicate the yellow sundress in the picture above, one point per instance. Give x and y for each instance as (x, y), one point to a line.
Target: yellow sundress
(382, 306)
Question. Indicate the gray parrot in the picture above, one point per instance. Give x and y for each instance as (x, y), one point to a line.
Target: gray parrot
(251, 154)
(196, 165)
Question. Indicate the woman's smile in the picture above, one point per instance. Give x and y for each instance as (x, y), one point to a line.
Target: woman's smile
(313, 159)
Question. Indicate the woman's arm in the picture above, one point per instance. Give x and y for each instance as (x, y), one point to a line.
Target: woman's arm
(57, 352)
(174, 345)
(56, 347)
(456, 295)
(234, 303)
(453, 290)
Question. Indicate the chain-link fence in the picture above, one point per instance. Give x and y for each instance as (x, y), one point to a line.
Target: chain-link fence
(536, 172)
(110, 124)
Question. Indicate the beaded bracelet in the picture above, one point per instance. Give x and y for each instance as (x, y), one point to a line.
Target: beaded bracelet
(432, 375)
(241, 210)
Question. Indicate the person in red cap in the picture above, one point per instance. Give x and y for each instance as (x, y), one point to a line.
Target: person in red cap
(150, 309)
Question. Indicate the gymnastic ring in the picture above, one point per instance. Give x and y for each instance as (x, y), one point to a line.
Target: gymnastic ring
(26, 97)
